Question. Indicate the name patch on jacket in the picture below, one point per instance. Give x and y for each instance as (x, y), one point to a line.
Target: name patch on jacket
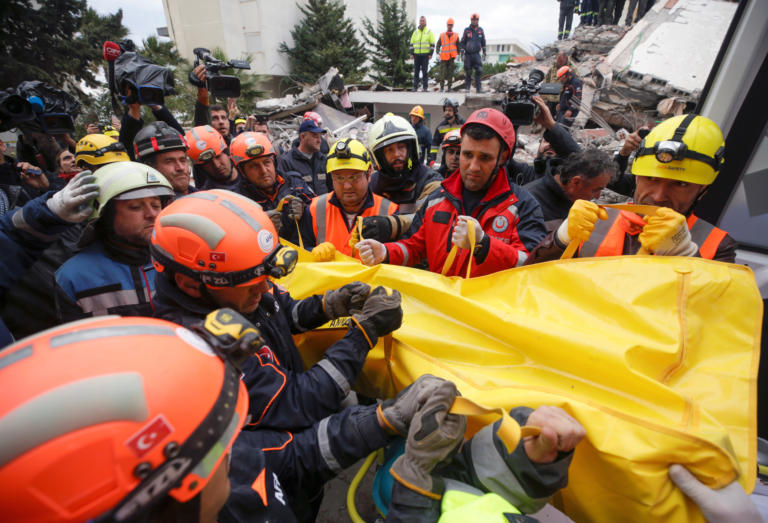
(443, 217)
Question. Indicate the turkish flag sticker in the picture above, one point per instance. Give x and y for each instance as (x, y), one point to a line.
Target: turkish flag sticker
(218, 257)
(149, 436)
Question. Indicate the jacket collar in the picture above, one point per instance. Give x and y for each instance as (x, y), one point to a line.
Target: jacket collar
(500, 185)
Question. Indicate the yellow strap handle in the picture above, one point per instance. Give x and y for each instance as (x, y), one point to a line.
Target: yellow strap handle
(357, 234)
(645, 210)
(298, 229)
(510, 431)
(455, 249)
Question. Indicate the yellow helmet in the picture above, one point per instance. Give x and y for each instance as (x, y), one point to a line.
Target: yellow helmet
(99, 149)
(417, 111)
(688, 148)
(348, 154)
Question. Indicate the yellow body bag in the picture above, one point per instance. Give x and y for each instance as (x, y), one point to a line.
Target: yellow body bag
(656, 356)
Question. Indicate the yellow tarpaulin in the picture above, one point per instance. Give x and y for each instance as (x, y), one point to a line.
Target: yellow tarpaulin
(657, 357)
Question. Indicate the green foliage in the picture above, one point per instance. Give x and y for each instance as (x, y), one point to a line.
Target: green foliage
(324, 38)
(56, 41)
(388, 43)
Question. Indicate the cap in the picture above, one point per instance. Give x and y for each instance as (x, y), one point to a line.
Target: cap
(310, 126)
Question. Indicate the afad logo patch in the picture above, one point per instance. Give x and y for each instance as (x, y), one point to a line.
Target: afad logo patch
(150, 436)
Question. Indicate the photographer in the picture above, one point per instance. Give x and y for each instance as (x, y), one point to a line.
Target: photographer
(132, 121)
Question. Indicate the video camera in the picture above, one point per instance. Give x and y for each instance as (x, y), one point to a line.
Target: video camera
(55, 110)
(224, 86)
(518, 106)
(149, 82)
(13, 110)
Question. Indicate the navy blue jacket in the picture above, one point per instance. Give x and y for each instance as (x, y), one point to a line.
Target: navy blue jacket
(24, 235)
(312, 170)
(406, 193)
(422, 132)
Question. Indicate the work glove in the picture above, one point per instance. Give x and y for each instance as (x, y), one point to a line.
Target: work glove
(666, 233)
(324, 252)
(433, 436)
(381, 314)
(277, 219)
(295, 207)
(371, 252)
(580, 222)
(345, 300)
(460, 236)
(381, 228)
(397, 413)
(728, 504)
(72, 202)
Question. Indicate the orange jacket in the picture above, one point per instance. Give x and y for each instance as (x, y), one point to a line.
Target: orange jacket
(448, 46)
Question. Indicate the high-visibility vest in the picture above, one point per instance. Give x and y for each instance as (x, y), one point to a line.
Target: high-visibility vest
(422, 41)
(330, 225)
(607, 239)
(462, 503)
(449, 46)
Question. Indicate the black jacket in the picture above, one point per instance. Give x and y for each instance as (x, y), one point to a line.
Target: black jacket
(406, 193)
(562, 142)
(554, 203)
(312, 170)
(422, 132)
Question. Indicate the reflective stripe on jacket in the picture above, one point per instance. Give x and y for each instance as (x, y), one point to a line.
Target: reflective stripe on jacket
(330, 225)
(609, 236)
(422, 41)
(449, 46)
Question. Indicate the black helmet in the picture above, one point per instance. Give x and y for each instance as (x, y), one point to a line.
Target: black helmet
(452, 103)
(157, 137)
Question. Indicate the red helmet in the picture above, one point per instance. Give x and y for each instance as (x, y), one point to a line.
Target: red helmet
(249, 146)
(219, 238)
(204, 143)
(312, 115)
(497, 121)
(107, 416)
(452, 139)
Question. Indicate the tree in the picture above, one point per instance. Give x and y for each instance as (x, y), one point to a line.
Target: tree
(388, 44)
(324, 38)
(56, 41)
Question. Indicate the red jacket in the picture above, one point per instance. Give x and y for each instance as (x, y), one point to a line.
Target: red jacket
(509, 215)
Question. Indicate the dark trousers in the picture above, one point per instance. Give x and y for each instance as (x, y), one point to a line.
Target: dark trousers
(605, 14)
(473, 62)
(618, 7)
(566, 18)
(420, 63)
(640, 4)
(446, 73)
(589, 12)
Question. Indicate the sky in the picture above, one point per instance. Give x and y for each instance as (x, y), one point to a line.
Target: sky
(529, 21)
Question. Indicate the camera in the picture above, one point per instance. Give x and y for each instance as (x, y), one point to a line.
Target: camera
(517, 104)
(13, 110)
(224, 86)
(54, 110)
(148, 82)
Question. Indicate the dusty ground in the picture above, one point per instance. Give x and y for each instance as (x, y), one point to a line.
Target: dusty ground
(334, 507)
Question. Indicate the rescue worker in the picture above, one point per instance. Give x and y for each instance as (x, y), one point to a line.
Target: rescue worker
(582, 176)
(215, 249)
(589, 12)
(162, 147)
(561, 59)
(673, 168)
(472, 43)
(570, 96)
(451, 147)
(114, 274)
(448, 49)
(421, 47)
(332, 217)
(506, 219)
(417, 121)
(94, 151)
(451, 120)
(315, 117)
(566, 18)
(306, 158)
(24, 238)
(210, 155)
(239, 125)
(125, 439)
(255, 160)
(400, 177)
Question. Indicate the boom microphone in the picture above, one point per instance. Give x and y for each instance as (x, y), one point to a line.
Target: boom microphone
(111, 51)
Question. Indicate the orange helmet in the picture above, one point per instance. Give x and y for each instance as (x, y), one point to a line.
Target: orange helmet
(452, 139)
(475, 16)
(95, 425)
(204, 143)
(249, 146)
(450, 21)
(563, 70)
(219, 238)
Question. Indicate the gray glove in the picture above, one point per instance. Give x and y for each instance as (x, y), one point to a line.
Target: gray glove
(728, 504)
(71, 203)
(277, 219)
(397, 413)
(434, 435)
(381, 314)
(345, 300)
(295, 207)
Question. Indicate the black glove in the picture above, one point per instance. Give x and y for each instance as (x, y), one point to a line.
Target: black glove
(380, 228)
(381, 314)
(345, 300)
